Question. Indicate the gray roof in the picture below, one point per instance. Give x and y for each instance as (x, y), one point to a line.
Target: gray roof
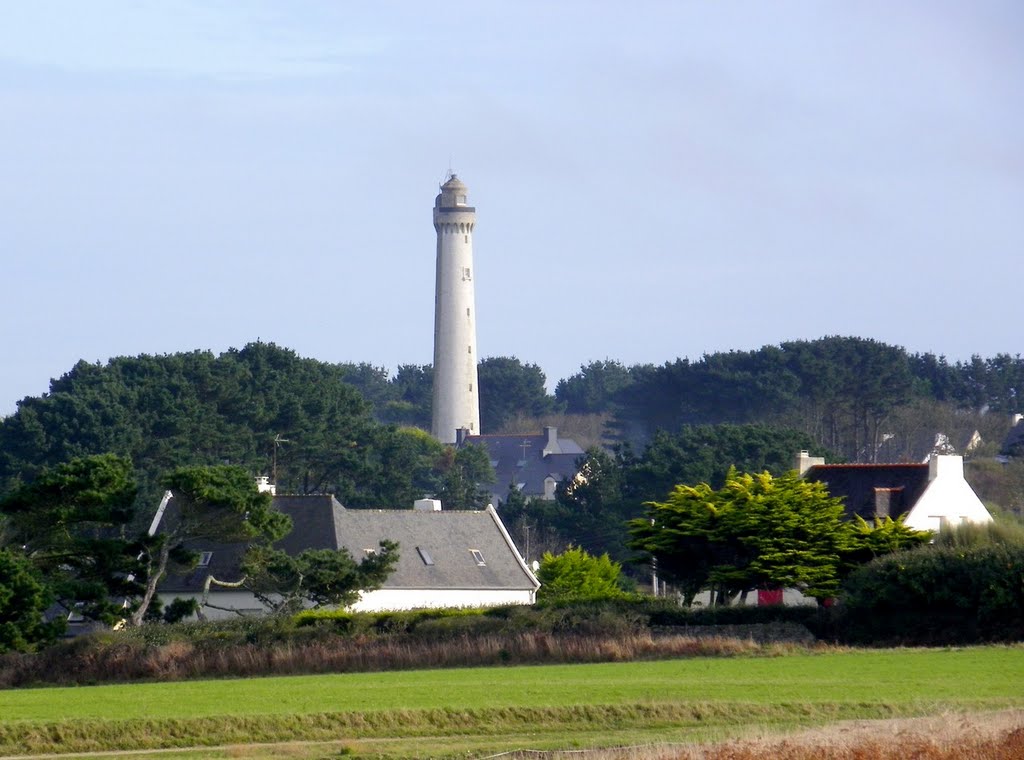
(447, 537)
(1014, 443)
(529, 459)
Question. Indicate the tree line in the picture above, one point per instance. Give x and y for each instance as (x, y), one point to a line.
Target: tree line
(309, 424)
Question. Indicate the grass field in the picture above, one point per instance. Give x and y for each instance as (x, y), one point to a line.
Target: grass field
(473, 710)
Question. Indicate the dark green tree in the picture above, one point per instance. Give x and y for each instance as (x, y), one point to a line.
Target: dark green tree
(507, 388)
(706, 453)
(406, 465)
(315, 577)
(218, 503)
(592, 390)
(413, 389)
(201, 409)
(71, 524)
(463, 473)
(23, 601)
(589, 510)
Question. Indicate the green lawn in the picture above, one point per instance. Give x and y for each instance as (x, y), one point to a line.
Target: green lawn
(653, 695)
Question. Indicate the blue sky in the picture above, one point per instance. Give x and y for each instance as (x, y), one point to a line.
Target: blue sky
(652, 180)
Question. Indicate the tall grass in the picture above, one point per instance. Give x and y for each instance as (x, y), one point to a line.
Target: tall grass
(112, 660)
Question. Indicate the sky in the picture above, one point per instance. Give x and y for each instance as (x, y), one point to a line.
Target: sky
(653, 180)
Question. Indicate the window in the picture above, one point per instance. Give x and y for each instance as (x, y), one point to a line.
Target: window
(204, 559)
(478, 557)
(466, 274)
(425, 556)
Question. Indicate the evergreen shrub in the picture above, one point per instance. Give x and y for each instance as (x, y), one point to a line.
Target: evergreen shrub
(937, 595)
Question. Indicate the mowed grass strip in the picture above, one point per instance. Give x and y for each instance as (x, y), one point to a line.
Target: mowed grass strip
(438, 730)
(802, 688)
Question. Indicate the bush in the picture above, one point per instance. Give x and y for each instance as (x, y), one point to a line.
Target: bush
(575, 574)
(937, 595)
(23, 600)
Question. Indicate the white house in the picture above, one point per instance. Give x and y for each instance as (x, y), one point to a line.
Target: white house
(446, 558)
(933, 496)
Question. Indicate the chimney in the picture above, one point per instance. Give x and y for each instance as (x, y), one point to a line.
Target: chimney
(886, 499)
(427, 505)
(551, 441)
(804, 461)
(945, 465)
(263, 485)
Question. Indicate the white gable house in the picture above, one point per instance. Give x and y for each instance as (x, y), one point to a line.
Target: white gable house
(446, 558)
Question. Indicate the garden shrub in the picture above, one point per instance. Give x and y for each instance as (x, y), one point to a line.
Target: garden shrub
(575, 574)
(937, 595)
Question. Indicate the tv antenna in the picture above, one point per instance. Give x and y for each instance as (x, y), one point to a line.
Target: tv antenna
(278, 440)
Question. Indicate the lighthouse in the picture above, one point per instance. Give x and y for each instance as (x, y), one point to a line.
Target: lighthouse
(456, 402)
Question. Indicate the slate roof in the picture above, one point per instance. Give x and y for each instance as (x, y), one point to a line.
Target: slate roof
(447, 537)
(857, 485)
(521, 458)
(1014, 443)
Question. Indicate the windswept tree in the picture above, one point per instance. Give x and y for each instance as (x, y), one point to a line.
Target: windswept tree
(219, 503)
(315, 577)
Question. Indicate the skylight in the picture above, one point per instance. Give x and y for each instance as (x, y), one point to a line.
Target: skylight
(425, 556)
(478, 557)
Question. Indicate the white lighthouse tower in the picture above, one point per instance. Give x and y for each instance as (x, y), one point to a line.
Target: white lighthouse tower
(456, 399)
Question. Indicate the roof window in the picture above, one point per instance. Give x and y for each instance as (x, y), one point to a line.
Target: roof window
(425, 556)
(478, 557)
(204, 559)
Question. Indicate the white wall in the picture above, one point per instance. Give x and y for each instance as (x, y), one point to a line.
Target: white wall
(948, 500)
(226, 603)
(410, 599)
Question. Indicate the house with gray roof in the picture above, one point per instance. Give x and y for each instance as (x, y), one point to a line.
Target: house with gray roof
(1013, 444)
(533, 463)
(447, 558)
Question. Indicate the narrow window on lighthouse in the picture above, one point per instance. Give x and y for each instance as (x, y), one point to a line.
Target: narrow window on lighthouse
(469, 349)
(467, 311)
